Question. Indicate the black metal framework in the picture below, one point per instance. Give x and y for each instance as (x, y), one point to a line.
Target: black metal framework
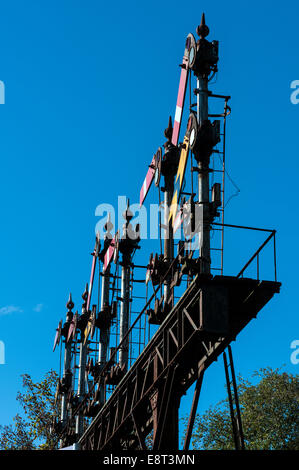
(200, 326)
(209, 315)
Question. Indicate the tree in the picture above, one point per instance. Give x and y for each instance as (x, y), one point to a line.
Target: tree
(269, 411)
(34, 430)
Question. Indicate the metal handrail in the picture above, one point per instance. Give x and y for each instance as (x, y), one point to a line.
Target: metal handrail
(257, 252)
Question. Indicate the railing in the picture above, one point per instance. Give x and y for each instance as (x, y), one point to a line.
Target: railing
(256, 254)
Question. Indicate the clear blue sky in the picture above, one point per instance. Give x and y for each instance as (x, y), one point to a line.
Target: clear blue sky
(89, 87)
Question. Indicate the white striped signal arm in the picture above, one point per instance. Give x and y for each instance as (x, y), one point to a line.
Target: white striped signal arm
(182, 92)
(147, 182)
(109, 253)
(93, 267)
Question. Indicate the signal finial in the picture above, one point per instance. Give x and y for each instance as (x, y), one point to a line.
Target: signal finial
(70, 304)
(128, 214)
(168, 130)
(202, 30)
(108, 225)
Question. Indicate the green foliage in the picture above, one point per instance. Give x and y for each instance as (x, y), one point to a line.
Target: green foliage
(269, 410)
(33, 431)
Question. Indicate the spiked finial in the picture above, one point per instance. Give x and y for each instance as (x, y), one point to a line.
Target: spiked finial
(128, 215)
(168, 130)
(97, 244)
(108, 225)
(202, 30)
(70, 304)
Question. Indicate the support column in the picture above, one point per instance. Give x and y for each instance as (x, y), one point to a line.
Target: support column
(66, 378)
(166, 428)
(203, 64)
(193, 409)
(82, 322)
(233, 401)
(124, 313)
(127, 244)
(168, 241)
(104, 333)
(168, 169)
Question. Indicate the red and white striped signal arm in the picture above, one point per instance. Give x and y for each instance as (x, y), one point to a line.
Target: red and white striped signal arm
(72, 328)
(181, 93)
(93, 267)
(109, 253)
(147, 182)
(177, 119)
(57, 335)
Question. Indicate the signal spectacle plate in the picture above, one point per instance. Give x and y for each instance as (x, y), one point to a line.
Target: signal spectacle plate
(191, 50)
(192, 130)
